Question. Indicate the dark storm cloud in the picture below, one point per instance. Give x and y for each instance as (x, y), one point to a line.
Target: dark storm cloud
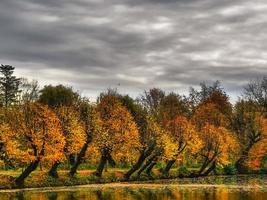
(135, 44)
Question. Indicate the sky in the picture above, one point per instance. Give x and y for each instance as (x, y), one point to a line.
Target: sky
(135, 45)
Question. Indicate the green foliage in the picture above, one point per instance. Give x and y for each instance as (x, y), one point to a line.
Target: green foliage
(230, 169)
(9, 85)
(183, 171)
(161, 166)
(60, 95)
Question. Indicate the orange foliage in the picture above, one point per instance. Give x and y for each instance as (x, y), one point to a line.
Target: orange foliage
(183, 135)
(33, 132)
(219, 144)
(259, 149)
(118, 130)
(209, 113)
(73, 130)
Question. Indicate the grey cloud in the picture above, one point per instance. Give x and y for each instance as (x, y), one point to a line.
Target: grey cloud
(94, 44)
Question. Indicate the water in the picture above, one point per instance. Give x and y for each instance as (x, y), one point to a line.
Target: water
(240, 189)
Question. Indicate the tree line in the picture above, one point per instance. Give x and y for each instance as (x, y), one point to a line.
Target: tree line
(53, 125)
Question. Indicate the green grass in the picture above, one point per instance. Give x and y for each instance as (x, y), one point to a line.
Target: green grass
(39, 178)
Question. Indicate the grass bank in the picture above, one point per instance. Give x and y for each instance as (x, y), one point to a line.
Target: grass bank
(40, 179)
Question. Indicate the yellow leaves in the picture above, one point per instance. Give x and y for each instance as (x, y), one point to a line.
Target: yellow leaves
(35, 133)
(118, 130)
(183, 135)
(169, 146)
(218, 141)
(73, 130)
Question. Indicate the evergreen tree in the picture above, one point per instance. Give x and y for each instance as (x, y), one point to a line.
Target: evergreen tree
(9, 85)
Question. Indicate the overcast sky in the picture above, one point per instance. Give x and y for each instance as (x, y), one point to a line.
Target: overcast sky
(135, 44)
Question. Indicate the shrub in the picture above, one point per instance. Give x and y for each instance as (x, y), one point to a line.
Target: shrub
(230, 170)
(183, 171)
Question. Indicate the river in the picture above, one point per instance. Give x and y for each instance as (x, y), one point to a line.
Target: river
(247, 189)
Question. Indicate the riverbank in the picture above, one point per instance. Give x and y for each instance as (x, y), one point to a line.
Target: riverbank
(114, 177)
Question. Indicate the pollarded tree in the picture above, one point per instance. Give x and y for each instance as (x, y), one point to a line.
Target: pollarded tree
(213, 123)
(73, 131)
(9, 85)
(118, 129)
(219, 147)
(249, 125)
(91, 123)
(184, 136)
(156, 145)
(34, 135)
(259, 150)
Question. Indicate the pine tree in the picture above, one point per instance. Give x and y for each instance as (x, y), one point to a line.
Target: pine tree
(9, 85)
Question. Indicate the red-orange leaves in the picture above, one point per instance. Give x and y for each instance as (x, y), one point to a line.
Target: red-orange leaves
(209, 113)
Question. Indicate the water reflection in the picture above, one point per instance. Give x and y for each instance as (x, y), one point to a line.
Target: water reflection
(139, 193)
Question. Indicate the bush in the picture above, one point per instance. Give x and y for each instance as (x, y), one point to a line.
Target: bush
(161, 166)
(230, 170)
(183, 171)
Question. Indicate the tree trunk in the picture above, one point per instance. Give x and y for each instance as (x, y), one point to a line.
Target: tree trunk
(210, 169)
(20, 180)
(207, 162)
(144, 154)
(169, 165)
(150, 167)
(103, 162)
(80, 157)
(110, 160)
(146, 165)
(53, 171)
(241, 162)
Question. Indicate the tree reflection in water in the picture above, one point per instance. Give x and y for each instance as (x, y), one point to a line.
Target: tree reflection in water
(139, 193)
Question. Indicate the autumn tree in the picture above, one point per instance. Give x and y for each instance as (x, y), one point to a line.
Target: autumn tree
(212, 118)
(259, 150)
(249, 125)
(117, 130)
(219, 145)
(183, 136)
(91, 124)
(34, 134)
(9, 85)
(73, 132)
(145, 111)
(3, 144)
(210, 94)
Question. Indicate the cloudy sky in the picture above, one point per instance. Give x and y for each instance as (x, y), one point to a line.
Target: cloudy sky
(135, 44)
